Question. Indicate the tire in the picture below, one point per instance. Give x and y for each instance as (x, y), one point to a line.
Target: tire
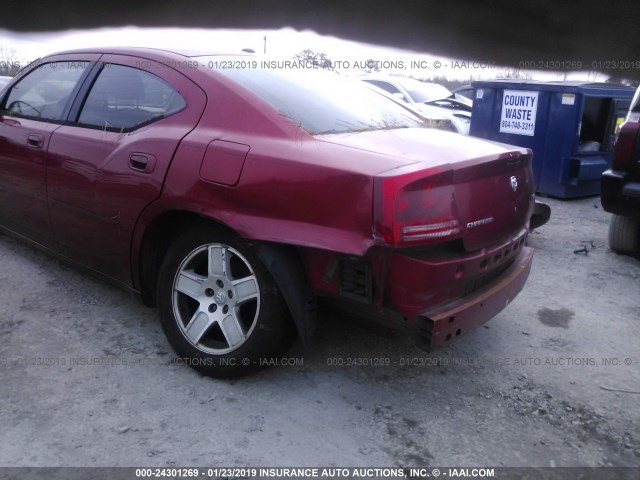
(624, 234)
(219, 306)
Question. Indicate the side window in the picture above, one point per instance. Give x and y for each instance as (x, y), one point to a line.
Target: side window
(45, 92)
(123, 98)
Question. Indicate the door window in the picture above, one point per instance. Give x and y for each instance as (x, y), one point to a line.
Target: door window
(45, 93)
(125, 98)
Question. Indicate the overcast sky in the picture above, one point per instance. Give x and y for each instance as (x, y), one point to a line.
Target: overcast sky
(281, 44)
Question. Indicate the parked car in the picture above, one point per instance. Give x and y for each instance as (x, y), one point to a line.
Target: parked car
(233, 197)
(432, 117)
(620, 187)
(466, 91)
(425, 96)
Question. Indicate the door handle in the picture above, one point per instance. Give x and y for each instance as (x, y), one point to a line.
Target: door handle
(141, 162)
(35, 140)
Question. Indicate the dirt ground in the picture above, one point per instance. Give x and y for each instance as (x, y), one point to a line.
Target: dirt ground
(87, 378)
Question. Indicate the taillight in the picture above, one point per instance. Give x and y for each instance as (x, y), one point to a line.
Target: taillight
(623, 153)
(415, 208)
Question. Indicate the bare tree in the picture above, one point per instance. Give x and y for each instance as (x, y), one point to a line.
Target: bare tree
(371, 66)
(514, 73)
(317, 59)
(9, 63)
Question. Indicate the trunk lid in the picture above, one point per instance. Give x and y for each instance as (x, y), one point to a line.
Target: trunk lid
(493, 198)
(487, 187)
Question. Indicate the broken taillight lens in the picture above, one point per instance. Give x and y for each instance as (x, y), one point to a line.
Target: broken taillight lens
(415, 208)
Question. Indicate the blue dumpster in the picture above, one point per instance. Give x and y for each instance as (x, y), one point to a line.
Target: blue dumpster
(569, 126)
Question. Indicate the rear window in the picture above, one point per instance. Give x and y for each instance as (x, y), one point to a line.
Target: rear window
(324, 102)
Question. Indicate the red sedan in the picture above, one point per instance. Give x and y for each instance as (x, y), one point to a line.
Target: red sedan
(233, 193)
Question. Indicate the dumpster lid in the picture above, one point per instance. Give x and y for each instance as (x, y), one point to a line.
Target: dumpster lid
(573, 86)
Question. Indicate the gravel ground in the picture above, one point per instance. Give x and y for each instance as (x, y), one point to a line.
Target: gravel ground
(87, 378)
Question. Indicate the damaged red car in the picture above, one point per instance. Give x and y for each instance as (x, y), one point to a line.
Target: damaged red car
(234, 195)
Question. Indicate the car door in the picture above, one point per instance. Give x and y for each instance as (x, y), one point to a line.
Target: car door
(30, 111)
(110, 163)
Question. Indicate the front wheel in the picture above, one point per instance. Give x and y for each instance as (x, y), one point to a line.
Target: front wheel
(219, 306)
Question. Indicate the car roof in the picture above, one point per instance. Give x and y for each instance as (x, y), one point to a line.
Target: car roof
(149, 51)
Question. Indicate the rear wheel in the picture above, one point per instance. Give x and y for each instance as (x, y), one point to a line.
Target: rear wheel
(624, 234)
(219, 306)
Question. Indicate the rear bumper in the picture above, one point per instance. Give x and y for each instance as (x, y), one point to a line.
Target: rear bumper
(435, 294)
(620, 195)
(416, 282)
(440, 325)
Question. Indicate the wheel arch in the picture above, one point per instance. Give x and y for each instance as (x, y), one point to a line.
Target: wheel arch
(286, 268)
(282, 261)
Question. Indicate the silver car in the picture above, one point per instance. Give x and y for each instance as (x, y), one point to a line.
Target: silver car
(426, 98)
